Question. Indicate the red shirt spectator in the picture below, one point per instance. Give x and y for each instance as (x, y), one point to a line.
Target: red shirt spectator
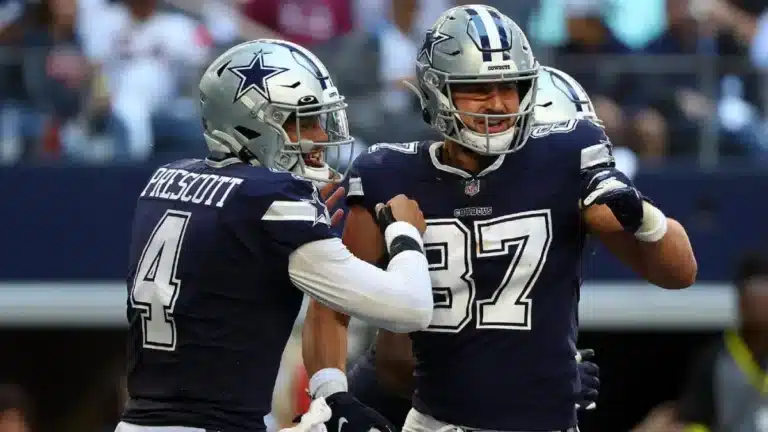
(305, 22)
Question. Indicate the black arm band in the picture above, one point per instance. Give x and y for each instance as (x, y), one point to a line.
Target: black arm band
(403, 243)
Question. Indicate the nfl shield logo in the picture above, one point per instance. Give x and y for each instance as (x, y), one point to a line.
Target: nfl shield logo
(472, 187)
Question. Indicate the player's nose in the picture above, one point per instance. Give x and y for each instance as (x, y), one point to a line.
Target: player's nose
(496, 101)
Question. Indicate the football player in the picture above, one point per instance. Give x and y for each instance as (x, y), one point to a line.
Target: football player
(509, 205)
(384, 382)
(219, 245)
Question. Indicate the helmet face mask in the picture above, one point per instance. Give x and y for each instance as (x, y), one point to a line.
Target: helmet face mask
(312, 134)
(271, 103)
(477, 46)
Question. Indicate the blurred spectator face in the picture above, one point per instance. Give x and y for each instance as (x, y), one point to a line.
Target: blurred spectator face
(680, 20)
(305, 22)
(754, 303)
(404, 13)
(13, 408)
(486, 98)
(65, 63)
(142, 8)
(584, 22)
(63, 12)
(12, 420)
(678, 12)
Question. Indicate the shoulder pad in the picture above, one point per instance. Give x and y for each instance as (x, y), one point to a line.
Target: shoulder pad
(385, 155)
(274, 183)
(581, 135)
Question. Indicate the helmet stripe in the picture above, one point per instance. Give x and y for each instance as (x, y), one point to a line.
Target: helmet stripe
(482, 32)
(316, 70)
(577, 93)
(504, 34)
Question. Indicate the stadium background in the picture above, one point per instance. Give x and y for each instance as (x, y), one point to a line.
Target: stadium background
(90, 103)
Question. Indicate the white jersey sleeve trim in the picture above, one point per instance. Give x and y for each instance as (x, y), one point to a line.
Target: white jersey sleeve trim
(290, 211)
(355, 187)
(598, 154)
(398, 299)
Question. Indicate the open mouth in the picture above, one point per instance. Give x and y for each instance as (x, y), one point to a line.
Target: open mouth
(493, 126)
(315, 158)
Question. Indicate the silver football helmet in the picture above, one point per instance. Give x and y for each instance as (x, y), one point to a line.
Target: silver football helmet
(476, 44)
(560, 97)
(251, 93)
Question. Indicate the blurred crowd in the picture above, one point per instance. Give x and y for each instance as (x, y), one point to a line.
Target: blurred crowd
(114, 81)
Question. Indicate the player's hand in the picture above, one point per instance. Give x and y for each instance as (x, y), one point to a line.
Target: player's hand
(403, 209)
(350, 415)
(331, 194)
(613, 188)
(589, 375)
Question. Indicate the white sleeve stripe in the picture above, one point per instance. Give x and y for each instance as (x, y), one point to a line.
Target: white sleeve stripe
(596, 154)
(290, 211)
(355, 187)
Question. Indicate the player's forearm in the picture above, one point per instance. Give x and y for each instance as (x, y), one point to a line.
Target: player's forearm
(395, 362)
(324, 348)
(667, 262)
(324, 338)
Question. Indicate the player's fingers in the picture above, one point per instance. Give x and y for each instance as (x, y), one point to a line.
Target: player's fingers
(327, 190)
(589, 368)
(585, 354)
(333, 200)
(589, 383)
(338, 215)
(378, 208)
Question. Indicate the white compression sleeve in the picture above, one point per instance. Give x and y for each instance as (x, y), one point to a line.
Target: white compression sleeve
(398, 299)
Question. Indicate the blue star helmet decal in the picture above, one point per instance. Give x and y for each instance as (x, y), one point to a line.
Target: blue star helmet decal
(433, 38)
(254, 76)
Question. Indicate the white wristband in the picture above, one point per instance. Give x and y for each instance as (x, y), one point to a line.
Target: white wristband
(402, 228)
(654, 224)
(326, 382)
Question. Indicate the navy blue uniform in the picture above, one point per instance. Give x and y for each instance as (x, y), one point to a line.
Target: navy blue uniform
(505, 252)
(210, 302)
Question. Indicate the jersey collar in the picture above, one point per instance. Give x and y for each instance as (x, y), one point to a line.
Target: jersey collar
(435, 148)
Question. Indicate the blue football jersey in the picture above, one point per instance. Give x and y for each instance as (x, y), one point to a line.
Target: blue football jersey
(505, 250)
(210, 302)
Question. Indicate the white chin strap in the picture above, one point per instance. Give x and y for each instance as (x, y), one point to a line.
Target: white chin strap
(487, 144)
(318, 175)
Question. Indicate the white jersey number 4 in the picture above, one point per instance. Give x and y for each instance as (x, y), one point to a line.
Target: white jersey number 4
(155, 286)
(523, 238)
